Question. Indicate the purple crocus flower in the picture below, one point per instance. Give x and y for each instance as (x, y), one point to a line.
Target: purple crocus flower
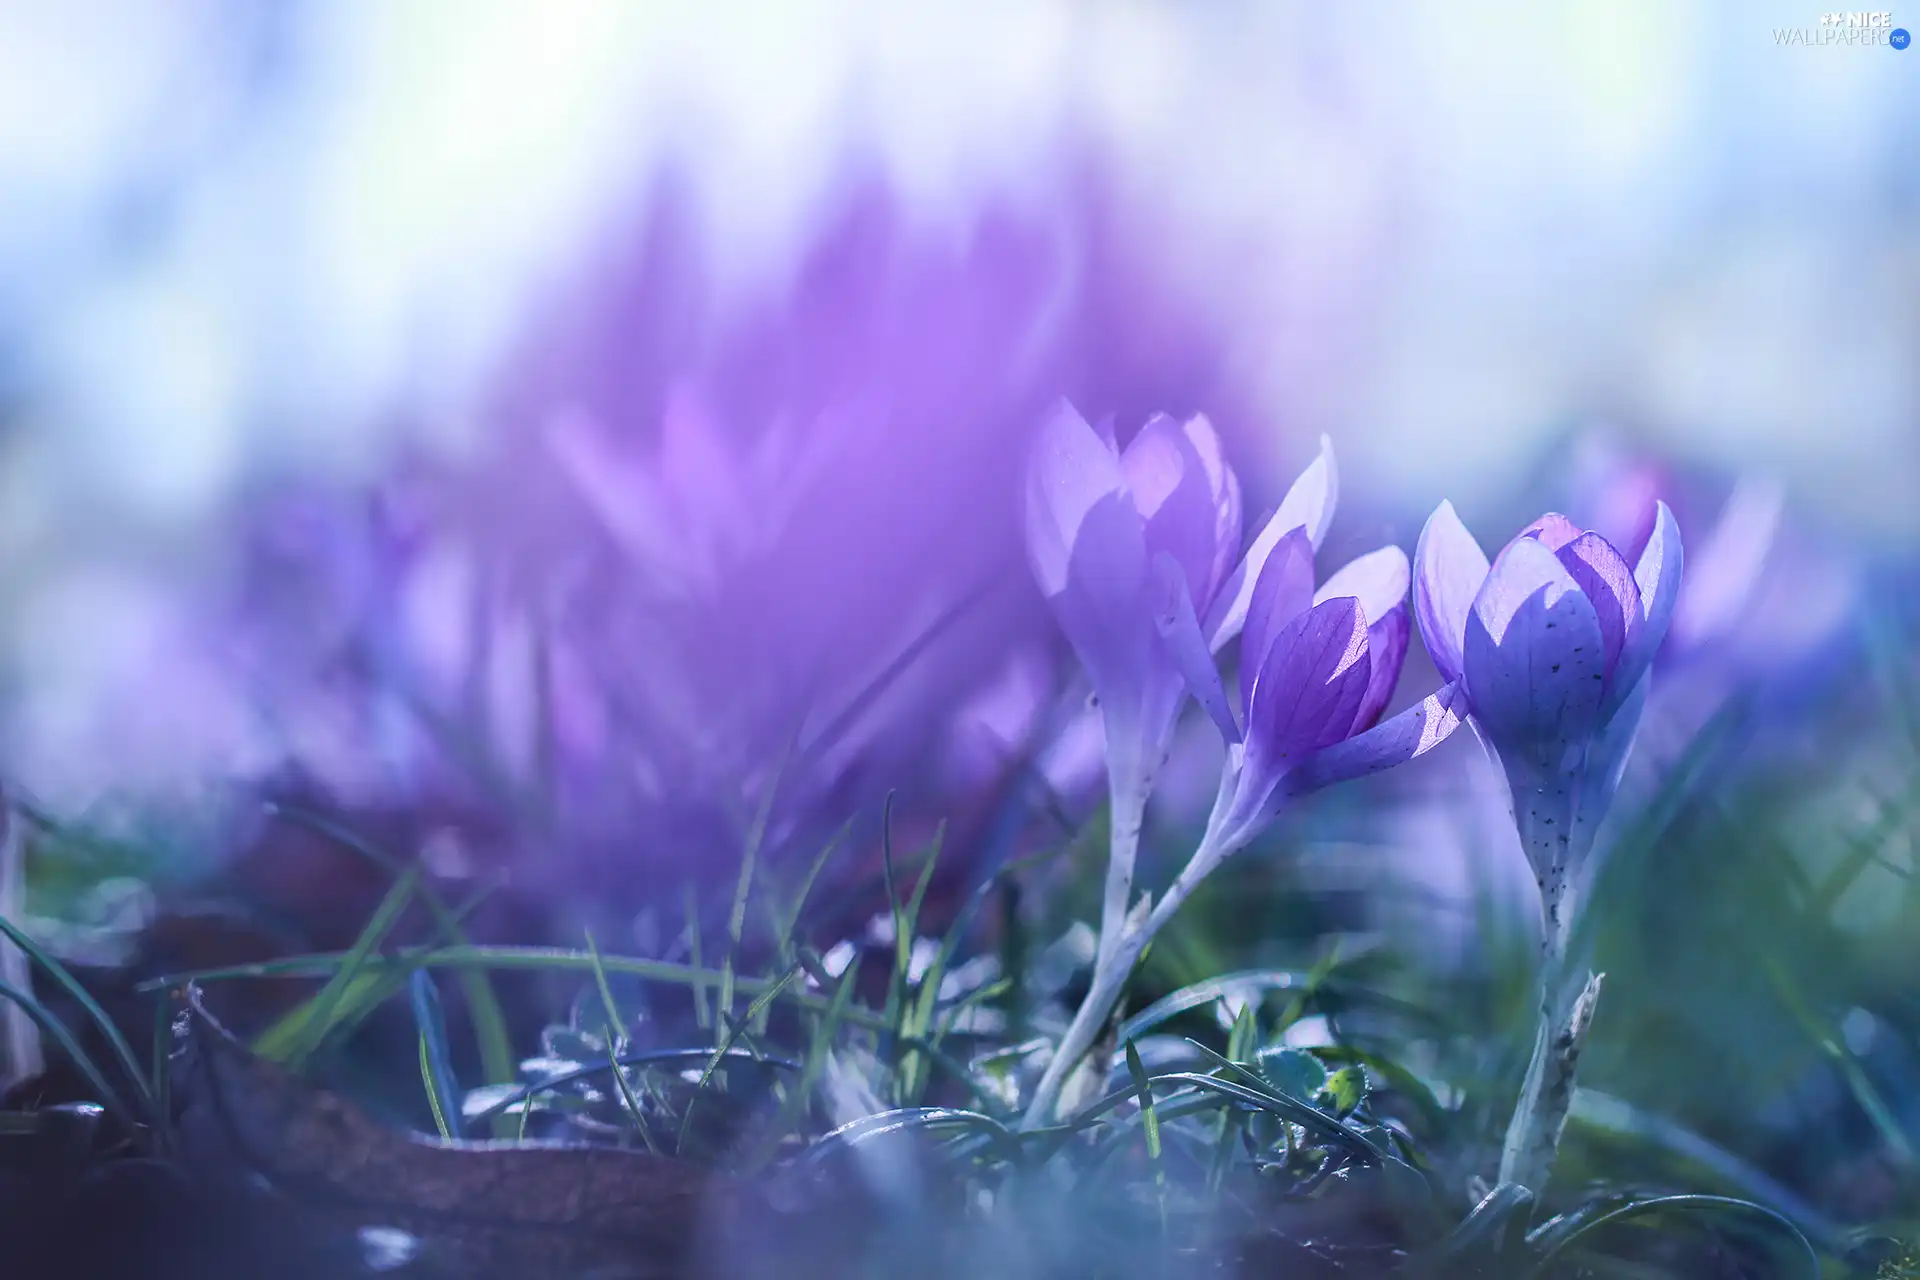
(1552, 640)
(1132, 549)
(1317, 668)
(1107, 530)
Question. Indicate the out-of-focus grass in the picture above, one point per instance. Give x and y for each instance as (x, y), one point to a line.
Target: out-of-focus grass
(1759, 1038)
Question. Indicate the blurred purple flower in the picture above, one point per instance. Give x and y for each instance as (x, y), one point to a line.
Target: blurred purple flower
(1553, 641)
(1761, 593)
(1766, 606)
(719, 546)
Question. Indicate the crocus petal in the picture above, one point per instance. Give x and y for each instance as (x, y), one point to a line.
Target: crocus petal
(1072, 469)
(1103, 606)
(1179, 483)
(1104, 429)
(1283, 593)
(1658, 578)
(1534, 663)
(1387, 652)
(1552, 530)
(1308, 689)
(1310, 502)
(1308, 505)
(1412, 733)
(1224, 486)
(1608, 584)
(1449, 570)
(1180, 631)
(1377, 579)
(1607, 758)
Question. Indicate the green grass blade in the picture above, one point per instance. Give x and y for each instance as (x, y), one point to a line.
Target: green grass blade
(1802, 1247)
(122, 1052)
(615, 1035)
(1245, 981)
(536, 959)
(382, 980)
(495, 1045)
(785, 929)
(631, 1103)
(56, 1031)
(1875, 1107)
(794, 1106)
(734, 1032)
(749, 861)
(615, 1023)
(297, 1036)
(436, 1067)
(1138, 1071)
(910, 1017)
(702, 1017)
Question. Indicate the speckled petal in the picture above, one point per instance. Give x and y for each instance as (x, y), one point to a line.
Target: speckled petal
(1608, 584)
(1535, 666)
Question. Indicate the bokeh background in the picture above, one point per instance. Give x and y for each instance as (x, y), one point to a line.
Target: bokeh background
(250, 242)
(562, 419)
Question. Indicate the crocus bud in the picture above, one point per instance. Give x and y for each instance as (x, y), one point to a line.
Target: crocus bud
(1552, 641)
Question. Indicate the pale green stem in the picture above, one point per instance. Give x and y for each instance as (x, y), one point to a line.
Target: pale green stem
(1127, 815)
(1557, 839)
(1110, 977)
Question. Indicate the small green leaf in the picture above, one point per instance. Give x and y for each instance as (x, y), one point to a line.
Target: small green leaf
(1148, 1115)
(1293, 1072)
(1345, 1090)
(1245, 1033)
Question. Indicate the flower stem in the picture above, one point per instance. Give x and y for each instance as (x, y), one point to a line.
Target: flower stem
(1533, 1134)
(1533, 1137)
(1128, 814)
(1120, 949)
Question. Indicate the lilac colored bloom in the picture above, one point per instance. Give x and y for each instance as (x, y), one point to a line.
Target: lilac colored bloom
(1105, 529)
(1317, 668)
(1131, 548)
(1552, 641)
(1116, 538)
